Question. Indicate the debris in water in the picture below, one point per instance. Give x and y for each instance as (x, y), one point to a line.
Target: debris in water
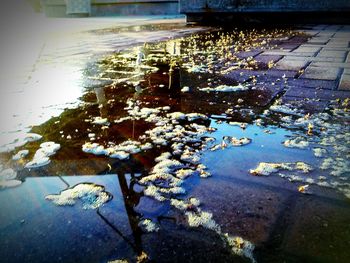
(303, 188)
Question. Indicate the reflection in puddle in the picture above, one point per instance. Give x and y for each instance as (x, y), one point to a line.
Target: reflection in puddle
(174, 112)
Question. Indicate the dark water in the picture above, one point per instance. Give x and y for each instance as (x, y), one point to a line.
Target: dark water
(284, 225)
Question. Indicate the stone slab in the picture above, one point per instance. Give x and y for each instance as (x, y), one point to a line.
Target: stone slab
(313, 83)
(331, 48)
(345, 82)
(316, 94)
(247, 54)
(318, 59)
(263, 60)
(338, 44)
(328, 65)
(287, 53)
(307, 49)
(323, 73)
(332, 54)
(308, 105)
(291, 64)
(318, 40)
(244, 75)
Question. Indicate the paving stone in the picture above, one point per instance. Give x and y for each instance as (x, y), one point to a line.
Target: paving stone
(311, 32)
(332, 54)
(333, 27)
(247, 54)
(291, 64)
(308, 105)
(239, 75)
(345, 82)
(288, 46)
(318, 40)
(244, 75)
(307, 49)
(310, 59)
(287, 53)
(313, 83)
(319, 231)
(330, 48)
(265, 59)
(319, 27)
(326, 34)
(337, 44)
(330, 65)
(342, 35)
(317, 94)
(316, 72)
(346, 49)
(273, 72)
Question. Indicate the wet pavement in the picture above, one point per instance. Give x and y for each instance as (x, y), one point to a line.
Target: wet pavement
(175, 143)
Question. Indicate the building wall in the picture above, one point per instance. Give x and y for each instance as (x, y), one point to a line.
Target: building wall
(234, 6)
(57, 8)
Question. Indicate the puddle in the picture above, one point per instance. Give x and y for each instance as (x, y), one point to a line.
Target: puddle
(207, 152)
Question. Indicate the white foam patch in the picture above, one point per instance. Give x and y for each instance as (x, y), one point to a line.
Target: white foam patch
(8, 178)
(240, 142)
(148, 225)
(225, 88)
(185, 89)
(298, 142)
(319, 152)
(20, 155)
(92, 196)
(285, 109)
(240, 246)
(99, 120)
(269, 168)
(41, 156)
(202, 218)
